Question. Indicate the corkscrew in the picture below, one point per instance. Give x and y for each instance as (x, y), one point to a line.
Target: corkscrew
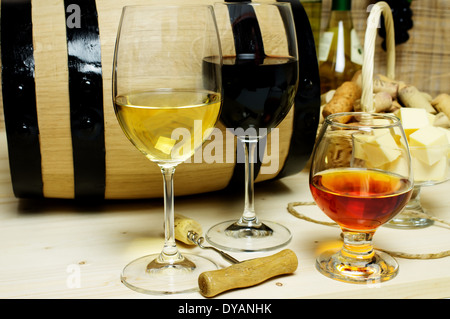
(241, 273)
(199, 240)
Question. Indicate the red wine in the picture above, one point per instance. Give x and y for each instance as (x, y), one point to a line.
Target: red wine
(360, 199)
(258, 93)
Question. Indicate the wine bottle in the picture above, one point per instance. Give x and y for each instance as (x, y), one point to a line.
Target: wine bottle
(313, 9)
(340, 51)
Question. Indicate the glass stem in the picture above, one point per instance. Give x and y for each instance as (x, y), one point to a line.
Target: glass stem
(170, 253)
(249, 216)
(414, 201)
(358, 245)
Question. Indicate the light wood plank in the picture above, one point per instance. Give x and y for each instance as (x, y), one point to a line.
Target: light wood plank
(44, 243)
(52, 97)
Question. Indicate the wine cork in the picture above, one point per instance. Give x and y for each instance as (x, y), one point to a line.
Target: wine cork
(183, 225)
(247, 273)
(343, 100)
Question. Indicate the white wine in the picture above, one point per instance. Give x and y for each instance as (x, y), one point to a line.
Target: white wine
(168, 125)
(340, 51)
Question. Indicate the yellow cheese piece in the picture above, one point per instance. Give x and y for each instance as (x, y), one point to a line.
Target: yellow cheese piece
(412, 119)
(431, 118)
(394, 131)
(428, 136)
(359, 140)
(165, 144)
(424, 172)
(428, 144)
(446, 133)
(399, 166)
(377, 150)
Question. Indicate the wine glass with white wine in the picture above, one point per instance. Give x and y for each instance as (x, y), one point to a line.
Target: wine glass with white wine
(162, 100)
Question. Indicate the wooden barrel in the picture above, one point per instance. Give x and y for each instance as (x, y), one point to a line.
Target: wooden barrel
(63, 138)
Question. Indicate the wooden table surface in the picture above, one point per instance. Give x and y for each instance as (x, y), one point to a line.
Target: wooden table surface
(60, 249)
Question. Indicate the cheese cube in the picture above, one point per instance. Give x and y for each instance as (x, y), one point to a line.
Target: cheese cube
(432, 173)
(165, 144)
(377, 150)
(446, 132)
(428, 144)
(399, 166)
(399, 137)
(431, 118)
(428, 136)
(358, 142)
(413, 119)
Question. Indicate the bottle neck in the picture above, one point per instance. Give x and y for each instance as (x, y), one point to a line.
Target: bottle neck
(341, 5)
(341, 11)
(340, 16)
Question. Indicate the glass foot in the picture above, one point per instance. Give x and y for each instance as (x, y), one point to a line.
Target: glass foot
(237, 230)
(381, 267)
(407, 222)
(147, 275)
(406, 219)
(230, 235)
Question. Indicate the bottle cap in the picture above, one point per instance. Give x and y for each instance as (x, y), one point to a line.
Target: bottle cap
(342, 5)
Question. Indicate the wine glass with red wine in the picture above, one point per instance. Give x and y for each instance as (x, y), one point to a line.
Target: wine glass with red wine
(361, 178)
(260, 78)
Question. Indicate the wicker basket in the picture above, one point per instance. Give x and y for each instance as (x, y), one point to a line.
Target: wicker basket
(369, 51)
(340, 144)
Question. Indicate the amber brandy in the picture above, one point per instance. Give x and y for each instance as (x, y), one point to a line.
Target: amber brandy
(360, 199)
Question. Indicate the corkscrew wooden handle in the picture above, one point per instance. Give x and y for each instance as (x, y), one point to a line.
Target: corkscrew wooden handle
(247, 273)
(183, 225)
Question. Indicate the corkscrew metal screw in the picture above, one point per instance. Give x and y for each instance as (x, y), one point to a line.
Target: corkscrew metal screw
(199, 240)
